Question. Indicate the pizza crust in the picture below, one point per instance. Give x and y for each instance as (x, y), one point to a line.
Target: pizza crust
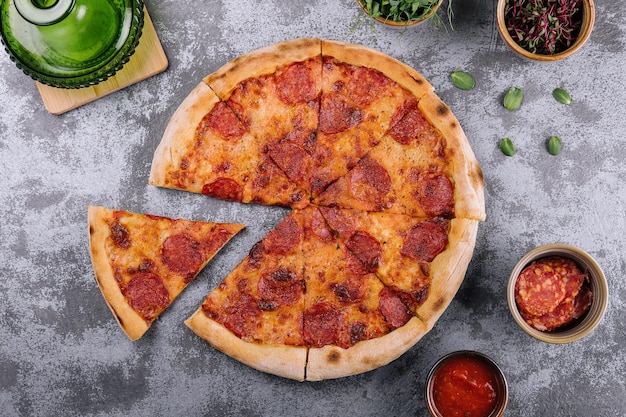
(282, 360)
(261, 62)
(180, 132)
(468, 176)
(334, 362)
(129, 320)
(363, 56)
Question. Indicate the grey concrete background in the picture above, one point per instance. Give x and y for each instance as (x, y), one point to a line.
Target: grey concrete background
(61, 352)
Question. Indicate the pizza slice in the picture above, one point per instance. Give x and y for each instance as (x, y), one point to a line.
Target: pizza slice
(349, 313)
(413, 258)
(342, 297)
(400, 249)
(422, 167)
(275, 92)
(206, 149)
(143, 262)
(255, 314)
(358, 102)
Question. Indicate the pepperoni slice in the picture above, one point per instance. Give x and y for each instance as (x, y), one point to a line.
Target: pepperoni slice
(573, 278)
(366, 248)
(285, 238)
(350, 291)
(424, 241)
(563, 314)
(321, 324)
(393, 309)
(354, 265)
(120, 235)
(408, 122)
(416, 297)
(241, 315)
(434, 192)
(358, 332)
(539, 289)
(366, 84)
(222, 121)
(296, 84)
(291, 159)
(582, 303)
(337, 114)
(370, 173)
(224, 189)
(320, 228)
(279, 288)
(255, 256)
(147, 295)
(562, 274)
(219, 237)
(342, 222)
(183, 255)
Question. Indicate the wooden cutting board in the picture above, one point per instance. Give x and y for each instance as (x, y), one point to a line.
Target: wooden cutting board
(149, 59)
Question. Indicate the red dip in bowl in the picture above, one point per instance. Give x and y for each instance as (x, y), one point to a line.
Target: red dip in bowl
(466, 384)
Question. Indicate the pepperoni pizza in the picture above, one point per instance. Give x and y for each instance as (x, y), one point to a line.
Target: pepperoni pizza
(143, 262)
(385, 191)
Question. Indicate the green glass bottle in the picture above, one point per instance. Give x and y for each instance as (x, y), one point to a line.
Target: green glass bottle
(71, 43)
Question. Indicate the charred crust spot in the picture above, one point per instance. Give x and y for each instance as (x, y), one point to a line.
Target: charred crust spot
(442, 110)
(334, 356)
(419, 81)
(235, 65)
(440, 303)
(453, 125)
(479, 174)
(118, 317)
(91, 230)
(368, 360)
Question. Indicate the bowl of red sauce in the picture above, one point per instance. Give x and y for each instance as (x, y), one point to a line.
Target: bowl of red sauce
(557, 293)
(466, 383)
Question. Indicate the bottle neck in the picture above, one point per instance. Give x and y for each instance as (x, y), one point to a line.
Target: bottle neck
(44, 12)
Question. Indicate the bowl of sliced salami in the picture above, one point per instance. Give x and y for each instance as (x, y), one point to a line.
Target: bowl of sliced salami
(557, 293)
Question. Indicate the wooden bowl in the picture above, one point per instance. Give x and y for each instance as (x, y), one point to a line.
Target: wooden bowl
(598, 286)
(588, 20)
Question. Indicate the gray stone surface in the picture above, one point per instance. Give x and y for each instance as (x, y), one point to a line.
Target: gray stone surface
(61, 352)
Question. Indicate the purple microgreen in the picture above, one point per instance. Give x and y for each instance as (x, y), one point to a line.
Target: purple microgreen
(544, 27)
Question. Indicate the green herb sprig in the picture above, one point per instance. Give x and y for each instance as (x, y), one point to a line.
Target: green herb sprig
(402, 10)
